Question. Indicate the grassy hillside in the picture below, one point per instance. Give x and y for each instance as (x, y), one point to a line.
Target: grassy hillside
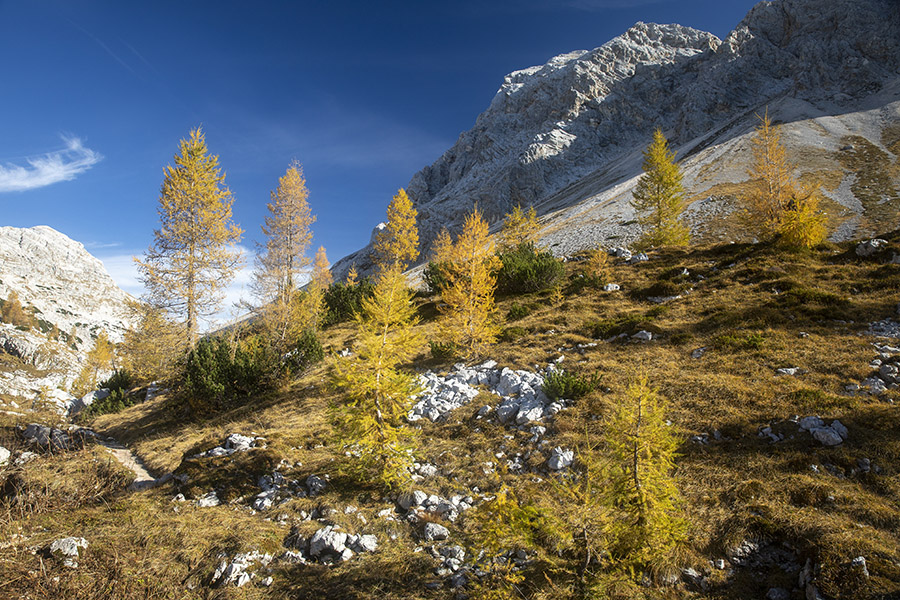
(763, 508)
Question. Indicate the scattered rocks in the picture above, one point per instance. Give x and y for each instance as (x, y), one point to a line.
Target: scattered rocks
(620, 252)
(68, 550)
(638, 258)
(435, 531)
(233, 443)
(331, 541)
(560, 459)
(870, 247)
(830, 435)
(237, 571)
(49, 438)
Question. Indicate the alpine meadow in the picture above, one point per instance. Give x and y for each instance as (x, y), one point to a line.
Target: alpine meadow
(633, 334)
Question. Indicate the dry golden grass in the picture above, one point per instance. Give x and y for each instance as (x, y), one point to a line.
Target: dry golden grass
(748, 309)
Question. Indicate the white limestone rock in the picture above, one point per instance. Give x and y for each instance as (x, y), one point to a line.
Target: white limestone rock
(68, 550)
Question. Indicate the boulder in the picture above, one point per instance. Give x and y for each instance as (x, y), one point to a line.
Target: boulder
(560, 458)
(412, 499)
(434, 531)
(68, 550)
(327, 540)
(870, 247)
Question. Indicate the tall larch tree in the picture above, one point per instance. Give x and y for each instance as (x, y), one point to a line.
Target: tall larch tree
(192, 258)
(398, 242)
(280, 264)
(370, 421)
(776, 205)
(519, 227)
(469, 316)
(659, 197)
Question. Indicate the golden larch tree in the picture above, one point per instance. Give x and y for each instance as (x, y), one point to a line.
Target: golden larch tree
(659, 197)
(398, 242)
(519, 227)
(312, 303)
(99, 359)
(776, 205)
(282, 260)
(378, 394)
(13, 313)
(152, 347)
(192, 258)
(641, 488)
(469, 316)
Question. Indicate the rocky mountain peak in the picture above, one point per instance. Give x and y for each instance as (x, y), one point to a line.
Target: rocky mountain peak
(566, 136)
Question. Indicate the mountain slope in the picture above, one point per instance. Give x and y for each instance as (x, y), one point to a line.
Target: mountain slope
(568, 134)
(58, 281)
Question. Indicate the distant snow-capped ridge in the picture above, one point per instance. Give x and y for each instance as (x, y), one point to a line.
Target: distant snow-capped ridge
(567, 136)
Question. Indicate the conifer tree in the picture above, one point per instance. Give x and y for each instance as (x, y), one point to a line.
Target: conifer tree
(777, 206)
(398, 242)
(352, 275)
(469, 319)
(13, 313)
(276, 278)
(659, 197)
(379, 395)
(151, 348)
(519, 227)
(314, 297)
(192, 258)
(99, 358)
(641, 448)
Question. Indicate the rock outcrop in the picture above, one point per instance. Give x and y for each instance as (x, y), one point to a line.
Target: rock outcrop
(62, 285)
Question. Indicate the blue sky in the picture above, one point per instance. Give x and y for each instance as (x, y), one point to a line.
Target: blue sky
(363, 94)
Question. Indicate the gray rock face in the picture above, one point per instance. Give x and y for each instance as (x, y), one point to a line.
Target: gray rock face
(68, 288)
(68, 550)
(566, 132)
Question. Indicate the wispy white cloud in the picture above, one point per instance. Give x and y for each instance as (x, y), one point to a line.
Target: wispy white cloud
(50, 168)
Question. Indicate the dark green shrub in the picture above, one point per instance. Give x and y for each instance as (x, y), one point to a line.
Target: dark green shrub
(308, 351)
(526, 269)
(511, 334)
(443, 350)
(119, 384)
(563, 384)
(434, 277)
(342, 301)
(518, 311)
(215, 374)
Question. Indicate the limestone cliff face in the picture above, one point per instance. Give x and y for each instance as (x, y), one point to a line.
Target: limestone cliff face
(559, 135)
(66, 287)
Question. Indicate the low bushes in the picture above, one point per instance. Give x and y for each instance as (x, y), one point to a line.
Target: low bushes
(526, 269)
